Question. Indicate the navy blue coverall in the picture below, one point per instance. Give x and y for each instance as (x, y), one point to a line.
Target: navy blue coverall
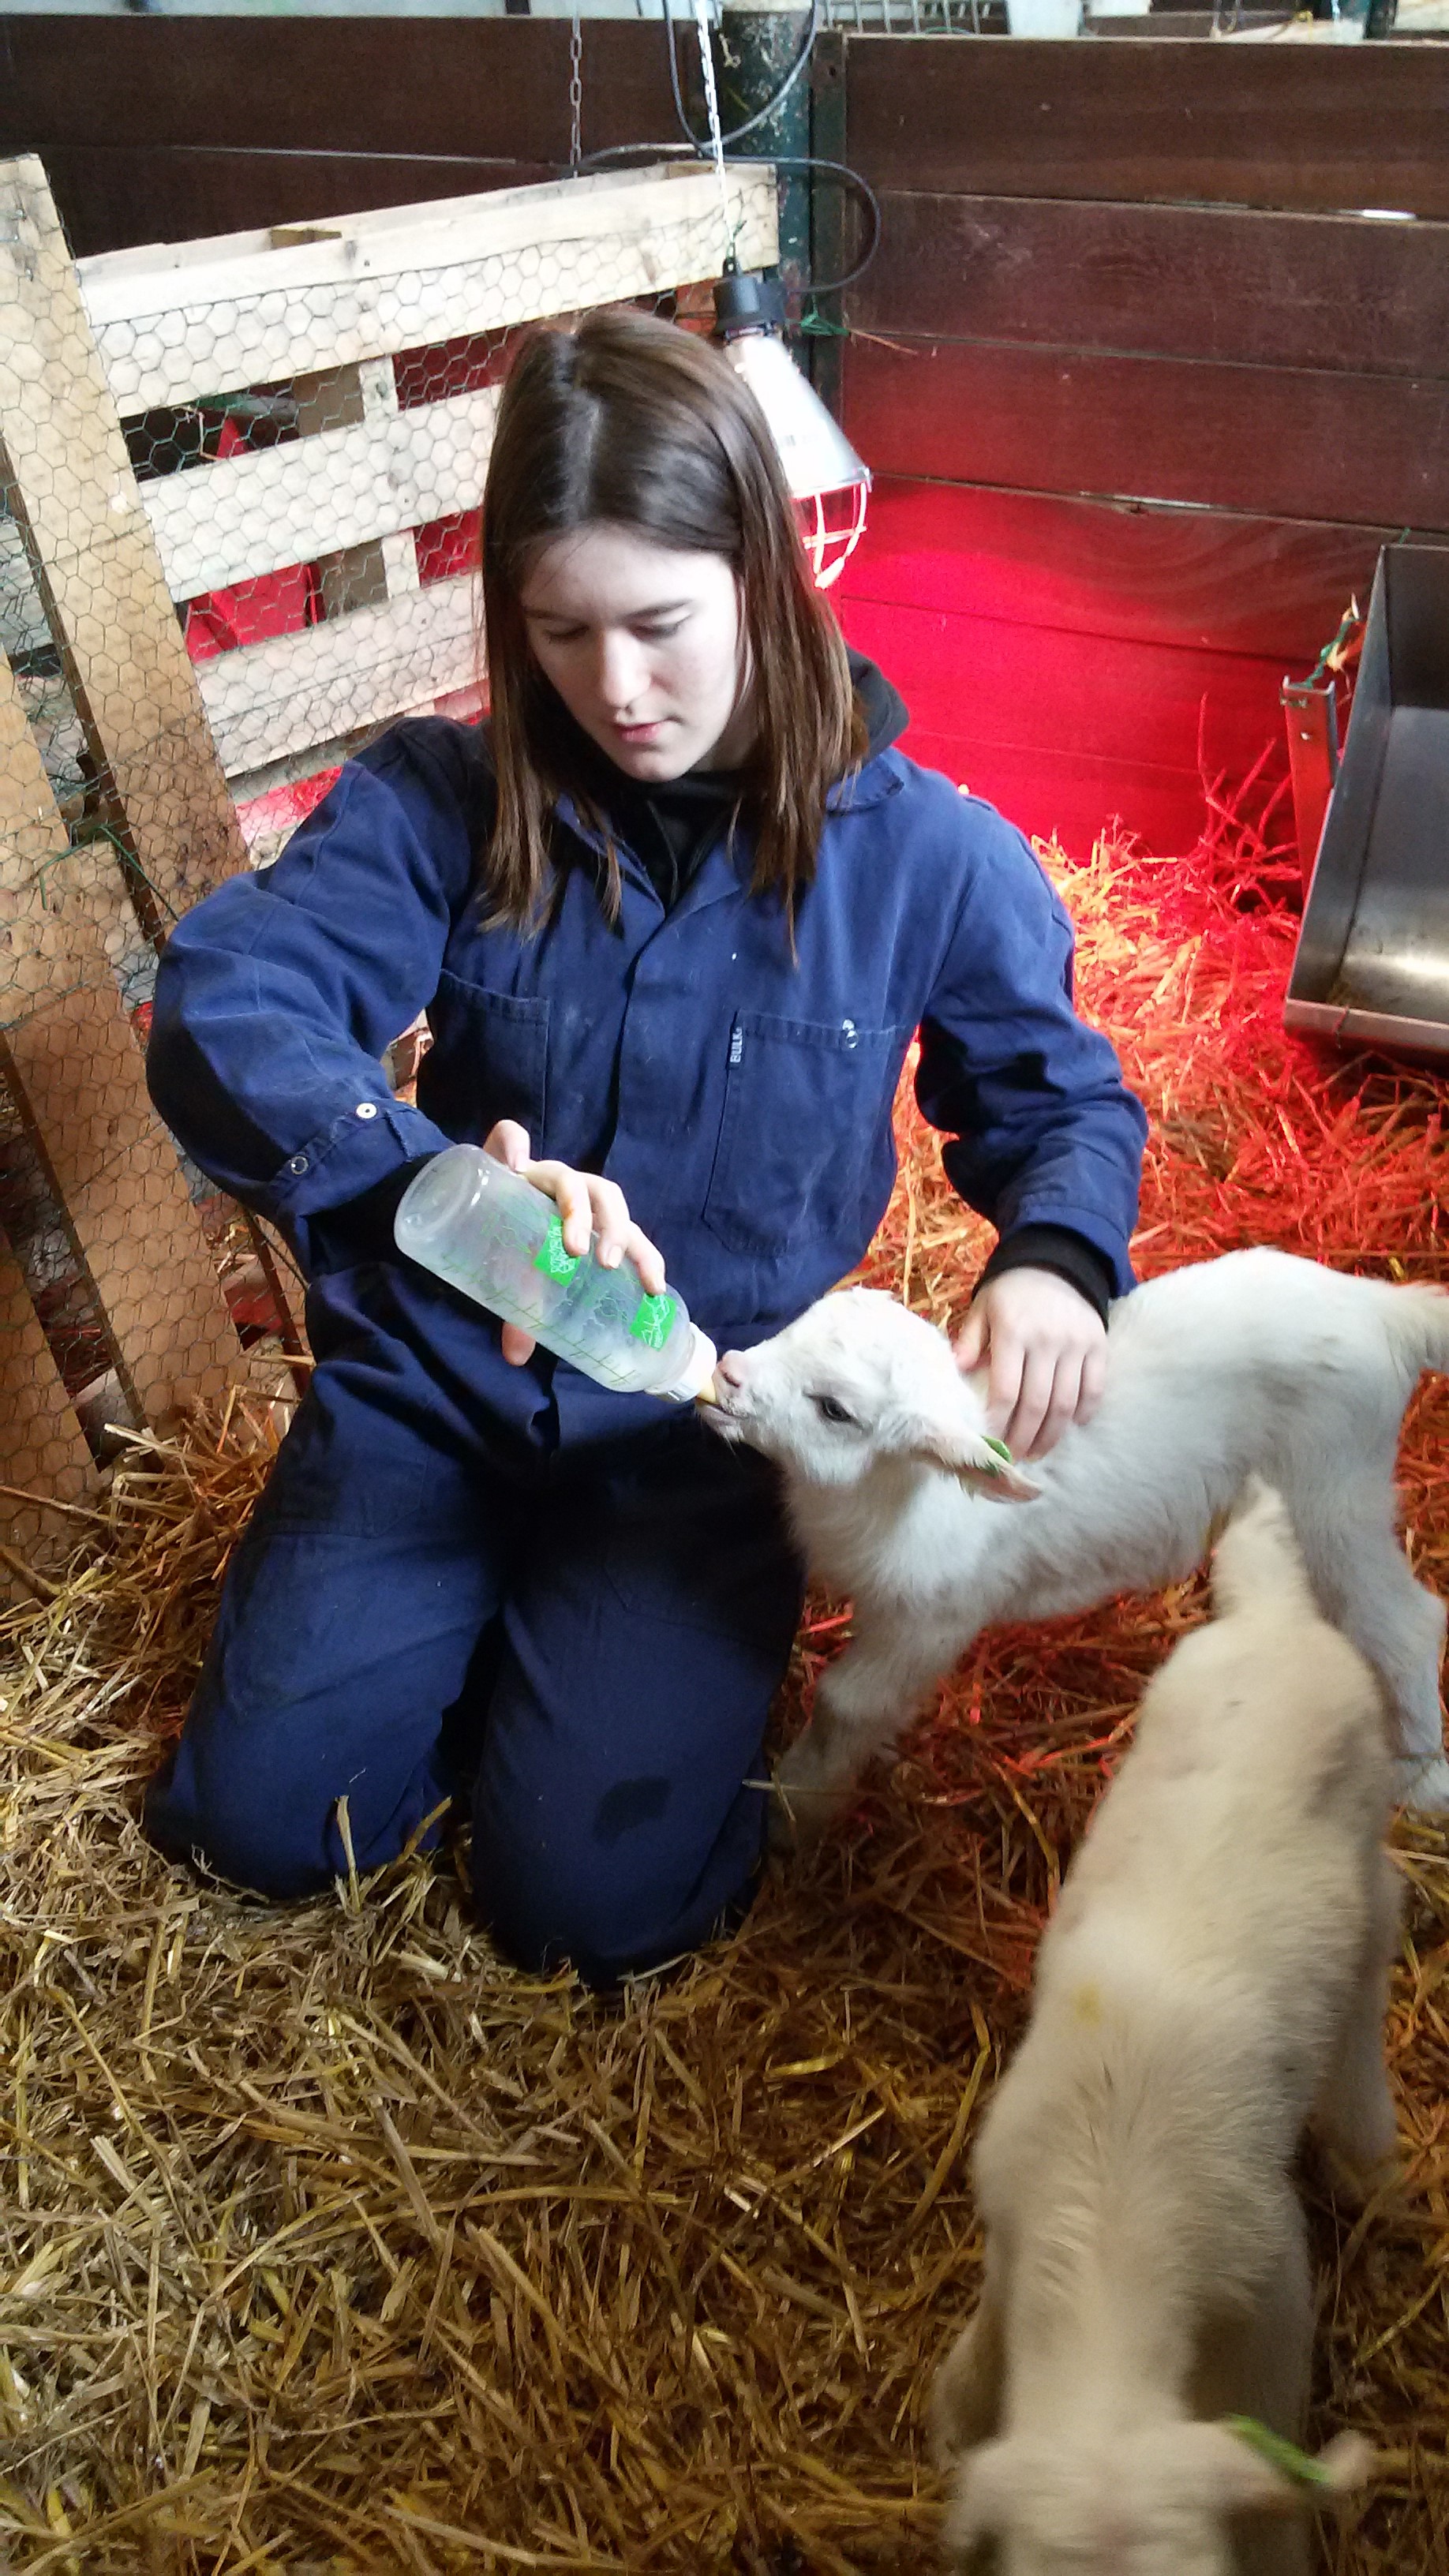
(472, 1580)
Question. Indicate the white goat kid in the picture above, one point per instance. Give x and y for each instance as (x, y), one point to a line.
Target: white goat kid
(1254, 1364)
(1214, 1977)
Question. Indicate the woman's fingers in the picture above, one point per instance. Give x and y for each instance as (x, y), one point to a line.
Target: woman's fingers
(593, 1211)
(971, 1341)
(1033, 1403)
(1060, 1409)
(571, 1195)
(1094, 1381)
(508, 1143)
(1047, 1351)
(1007, 1357)
(648, 1260)
(518, 1346)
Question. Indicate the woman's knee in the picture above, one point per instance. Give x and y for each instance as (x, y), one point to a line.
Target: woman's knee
(614, 1903)
(233, 1828)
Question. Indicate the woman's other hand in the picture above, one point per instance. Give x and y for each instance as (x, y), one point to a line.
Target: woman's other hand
(593, 1211)
(1046, 1352)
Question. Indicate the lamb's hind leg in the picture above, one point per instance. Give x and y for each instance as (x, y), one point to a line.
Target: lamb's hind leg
(1362, 1579)
(862, 1703)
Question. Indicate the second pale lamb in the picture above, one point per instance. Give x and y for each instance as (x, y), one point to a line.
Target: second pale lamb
(1257, 1364)
(1213, 1978)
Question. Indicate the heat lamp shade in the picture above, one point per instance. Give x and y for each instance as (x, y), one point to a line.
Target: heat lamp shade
(814, 450)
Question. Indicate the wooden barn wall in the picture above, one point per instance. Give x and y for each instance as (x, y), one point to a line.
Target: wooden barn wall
(1142, 398)
(164, 129)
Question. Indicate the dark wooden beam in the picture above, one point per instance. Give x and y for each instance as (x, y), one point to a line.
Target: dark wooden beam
(1282, 442)
(1302, 127)
(1165, 281)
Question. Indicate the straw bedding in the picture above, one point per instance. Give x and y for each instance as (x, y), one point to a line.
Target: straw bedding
(329, 2242)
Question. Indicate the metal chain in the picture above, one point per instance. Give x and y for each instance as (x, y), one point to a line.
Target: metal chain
(711, 100)
(576, 95)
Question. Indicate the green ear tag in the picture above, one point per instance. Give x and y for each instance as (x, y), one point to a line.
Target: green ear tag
(551, 1258)
(999, 1446)
(1285, 2457)
(653, 1317)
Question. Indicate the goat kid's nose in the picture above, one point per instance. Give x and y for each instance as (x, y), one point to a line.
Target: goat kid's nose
(731, 1370)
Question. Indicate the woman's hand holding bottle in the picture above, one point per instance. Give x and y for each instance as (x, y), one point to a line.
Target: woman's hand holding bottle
(592, 1210)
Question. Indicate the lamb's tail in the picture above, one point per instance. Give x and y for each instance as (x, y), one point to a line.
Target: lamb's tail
(1257, 1562)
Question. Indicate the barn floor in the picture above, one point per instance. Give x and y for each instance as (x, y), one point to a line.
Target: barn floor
(329, 2243)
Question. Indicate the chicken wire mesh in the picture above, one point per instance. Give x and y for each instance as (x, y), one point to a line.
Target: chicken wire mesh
(239, 488)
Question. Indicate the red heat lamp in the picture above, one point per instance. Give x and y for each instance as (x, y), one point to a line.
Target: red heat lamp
(828, 483)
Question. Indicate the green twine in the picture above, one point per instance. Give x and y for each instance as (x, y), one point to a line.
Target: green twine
(819, 326)
(1298, 2466)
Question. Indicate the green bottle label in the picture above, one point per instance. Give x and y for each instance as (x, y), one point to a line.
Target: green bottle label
(653, 1319)
(551, 1257)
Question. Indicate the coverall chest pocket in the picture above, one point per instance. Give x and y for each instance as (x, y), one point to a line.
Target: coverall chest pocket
(489, 1060)
(807, 1104)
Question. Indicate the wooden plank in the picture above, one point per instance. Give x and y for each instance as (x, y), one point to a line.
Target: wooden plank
(43, 1451)
(242, 312)
(113, 195)
(76, 1075)
(270, 700)
(1278, 290)
(1273, 588)
(360, 571)
(75, 497)
(1278, 442)
(396, 242)
(1245, 125)
(431, 87)
(254, 513)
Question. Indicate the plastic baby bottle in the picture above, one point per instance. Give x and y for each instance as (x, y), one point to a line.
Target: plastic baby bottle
(491, 1233)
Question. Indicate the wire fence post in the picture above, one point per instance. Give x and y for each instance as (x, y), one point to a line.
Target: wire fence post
(75, 497)
(75, 1078)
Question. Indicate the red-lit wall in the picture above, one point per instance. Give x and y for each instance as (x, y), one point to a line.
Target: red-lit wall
(1143, 396)
(1075, 663)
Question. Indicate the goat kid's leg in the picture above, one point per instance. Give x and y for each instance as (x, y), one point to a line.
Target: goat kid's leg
(1354, 2117)
(1260, 2365)
(862, 1703)
(965, 2405)
(1362, 1579)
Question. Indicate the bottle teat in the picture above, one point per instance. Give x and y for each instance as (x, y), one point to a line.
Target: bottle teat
(696, 1384)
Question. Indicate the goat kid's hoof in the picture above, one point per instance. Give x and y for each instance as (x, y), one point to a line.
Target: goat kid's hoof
(795, 1827)
(1355, 2183)
(803, 1807)
(1422, 1782)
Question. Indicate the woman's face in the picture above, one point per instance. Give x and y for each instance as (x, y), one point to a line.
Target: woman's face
(643, 645)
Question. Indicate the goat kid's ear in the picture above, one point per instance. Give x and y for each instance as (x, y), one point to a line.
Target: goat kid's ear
(968, 1454)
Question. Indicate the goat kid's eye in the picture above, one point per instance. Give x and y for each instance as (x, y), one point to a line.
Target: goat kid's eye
(830, 1410)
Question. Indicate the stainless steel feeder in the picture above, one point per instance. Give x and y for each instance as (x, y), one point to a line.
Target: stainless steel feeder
(1372, 964)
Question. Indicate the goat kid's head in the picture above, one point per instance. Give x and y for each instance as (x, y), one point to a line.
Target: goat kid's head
(857, 1379)
(1158, 2503)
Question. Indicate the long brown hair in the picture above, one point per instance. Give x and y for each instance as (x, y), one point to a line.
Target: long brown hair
(633, 422)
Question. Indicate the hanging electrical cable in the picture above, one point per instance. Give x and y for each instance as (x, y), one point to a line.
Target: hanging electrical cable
(703, 147)
(828, 482)
(839, 171)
